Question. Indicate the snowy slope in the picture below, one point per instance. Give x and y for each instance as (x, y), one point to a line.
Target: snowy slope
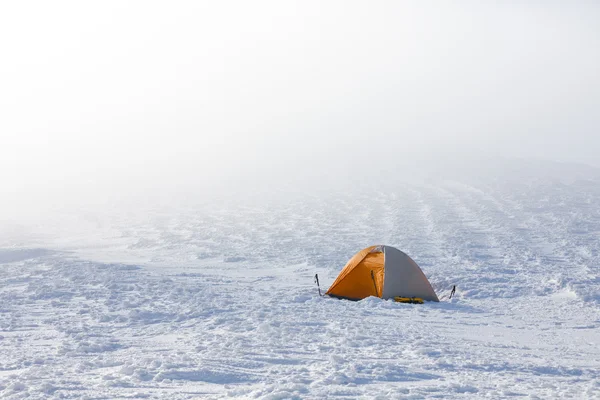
(217, 300)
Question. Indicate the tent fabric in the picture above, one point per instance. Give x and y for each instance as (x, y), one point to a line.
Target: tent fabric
(404, 278)
(359, 281)
(381, 271)
(354, 261)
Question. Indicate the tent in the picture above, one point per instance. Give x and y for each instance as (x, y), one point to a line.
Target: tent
(381, 271)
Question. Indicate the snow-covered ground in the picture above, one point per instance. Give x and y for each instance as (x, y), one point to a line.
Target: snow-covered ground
(217, 299)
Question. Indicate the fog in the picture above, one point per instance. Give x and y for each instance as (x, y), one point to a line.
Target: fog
(118, 97)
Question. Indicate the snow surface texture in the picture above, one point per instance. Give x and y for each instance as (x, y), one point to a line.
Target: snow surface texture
(218, 300)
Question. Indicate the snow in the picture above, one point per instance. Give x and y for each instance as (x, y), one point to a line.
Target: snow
(218, 300)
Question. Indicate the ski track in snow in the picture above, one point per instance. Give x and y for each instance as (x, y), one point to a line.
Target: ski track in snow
(218, 301)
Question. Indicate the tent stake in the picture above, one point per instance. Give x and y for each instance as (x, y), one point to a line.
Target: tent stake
(317, 282)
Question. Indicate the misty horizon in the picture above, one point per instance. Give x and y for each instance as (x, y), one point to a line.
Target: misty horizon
(136, 97)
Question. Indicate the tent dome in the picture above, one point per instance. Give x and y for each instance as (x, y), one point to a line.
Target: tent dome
(381, 271)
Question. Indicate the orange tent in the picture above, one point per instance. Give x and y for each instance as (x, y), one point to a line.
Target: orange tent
(381, 271)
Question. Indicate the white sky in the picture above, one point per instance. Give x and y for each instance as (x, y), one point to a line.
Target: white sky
(145, 92)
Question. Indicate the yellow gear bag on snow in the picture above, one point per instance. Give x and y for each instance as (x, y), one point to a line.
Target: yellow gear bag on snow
(411, 300)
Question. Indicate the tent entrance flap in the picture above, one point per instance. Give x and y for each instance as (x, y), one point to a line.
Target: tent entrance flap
(374, 283)
(358, 283)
